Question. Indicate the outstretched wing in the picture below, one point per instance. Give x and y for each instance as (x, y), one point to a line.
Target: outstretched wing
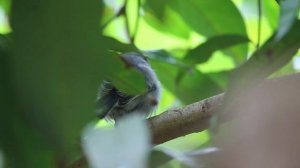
(110, 97)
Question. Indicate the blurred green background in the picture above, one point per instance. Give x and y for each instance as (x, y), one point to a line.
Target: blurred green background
(54, 55)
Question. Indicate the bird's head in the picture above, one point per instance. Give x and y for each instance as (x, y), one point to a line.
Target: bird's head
(133, 59)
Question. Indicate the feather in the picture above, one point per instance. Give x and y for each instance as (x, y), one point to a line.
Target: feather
(109, 98)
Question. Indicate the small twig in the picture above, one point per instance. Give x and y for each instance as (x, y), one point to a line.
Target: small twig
(127, 23)
(137, 21)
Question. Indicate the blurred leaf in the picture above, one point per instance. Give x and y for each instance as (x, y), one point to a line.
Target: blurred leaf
(158, 158)
(119, 147)
(195, 159)
(205, 50)
(166, 73)
(117, 46)
(171, 23)
(163, 56)
(221, 78)
(111, 9)
(132, 15)
(208, 19)
(289, 10)
(126, 79)
(129, 81)
(157, 8)
(21, 144)
(5, 4)
(195, 86)
(5, 45)
(58, 63)
(204, 157)
(271, 12)
(1, 159)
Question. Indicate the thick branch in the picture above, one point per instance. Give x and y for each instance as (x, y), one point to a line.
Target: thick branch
(195, 117)
(180, 122)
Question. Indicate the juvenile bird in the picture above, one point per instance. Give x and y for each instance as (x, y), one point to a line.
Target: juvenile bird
(114, 104)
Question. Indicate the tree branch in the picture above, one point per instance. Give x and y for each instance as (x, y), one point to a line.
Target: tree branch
(180, 122)
(195, 117)
(192, 118)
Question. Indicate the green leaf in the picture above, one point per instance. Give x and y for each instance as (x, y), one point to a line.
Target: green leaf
(129, 81)
(157, 8)
(171, 23)
(289, 10)
(5, 4)
(19, 142)
(158, 158)
(117, 46)
(271, 12)
(163, 56)
(166, 73)
(214, 17)
(204, 51)
(58, 62)
(196, 86)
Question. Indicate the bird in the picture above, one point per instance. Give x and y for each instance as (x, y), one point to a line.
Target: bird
(113, 104)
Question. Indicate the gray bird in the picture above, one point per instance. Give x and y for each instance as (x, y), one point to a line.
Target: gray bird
(114, 104)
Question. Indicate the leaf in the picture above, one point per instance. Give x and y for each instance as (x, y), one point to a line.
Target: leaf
(171, 23)
(198, 158)
(163, 56)
(158, 158)
(204, 51)
(271, 11)
(119, 147)
(117, 46)
(195, 86)
(1, 160)
(166, 74)
(214, 17)
(58, 62)
(157, 8)
(289, 10)
(129, 81)
(5, 45)
(5, 4)
(20, 142)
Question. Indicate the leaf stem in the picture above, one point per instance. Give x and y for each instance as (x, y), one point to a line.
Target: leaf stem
(259, 24)
(137, 21)
(127, 22)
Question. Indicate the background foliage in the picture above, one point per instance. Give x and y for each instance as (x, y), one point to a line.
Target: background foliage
(54, 55)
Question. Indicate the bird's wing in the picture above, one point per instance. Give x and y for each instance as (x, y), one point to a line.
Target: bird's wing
(110, 97)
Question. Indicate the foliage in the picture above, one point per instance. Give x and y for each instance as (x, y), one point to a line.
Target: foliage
(58, 52)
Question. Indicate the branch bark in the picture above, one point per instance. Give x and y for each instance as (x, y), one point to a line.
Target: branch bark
(180, 122)
(195, 117)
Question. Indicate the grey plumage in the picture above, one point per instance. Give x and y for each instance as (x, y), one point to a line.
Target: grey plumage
(113, 104)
